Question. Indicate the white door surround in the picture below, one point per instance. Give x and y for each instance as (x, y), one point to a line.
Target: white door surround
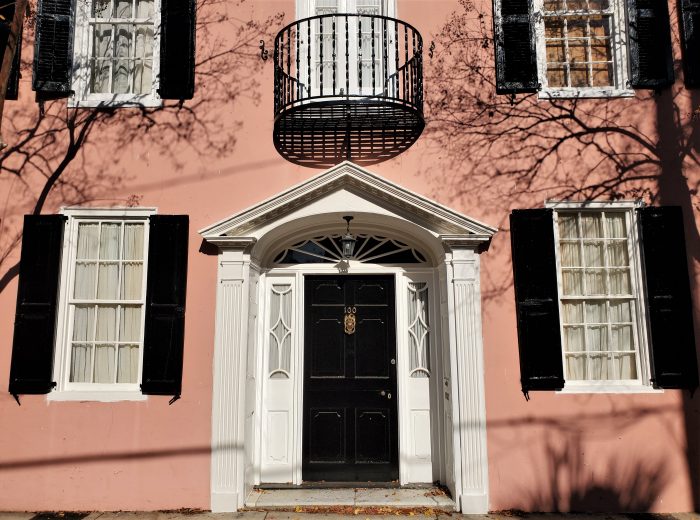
(257, 387)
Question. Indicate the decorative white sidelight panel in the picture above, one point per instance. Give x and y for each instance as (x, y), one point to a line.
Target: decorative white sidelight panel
(416, 418)
(279, 347)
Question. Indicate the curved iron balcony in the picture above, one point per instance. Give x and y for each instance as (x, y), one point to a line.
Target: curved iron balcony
(347, 86)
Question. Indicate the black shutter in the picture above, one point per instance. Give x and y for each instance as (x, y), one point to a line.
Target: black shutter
(31, 370)
(690, 30)
(536, 299)
(53, 47)
(165, 305)
(516, 62)
(8, 12)
(177, 49)
(651, 59)
(673, 354)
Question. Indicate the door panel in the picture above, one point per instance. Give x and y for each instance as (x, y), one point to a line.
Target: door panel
(350, 430)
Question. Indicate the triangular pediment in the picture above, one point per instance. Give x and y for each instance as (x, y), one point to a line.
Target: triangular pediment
(360, 191)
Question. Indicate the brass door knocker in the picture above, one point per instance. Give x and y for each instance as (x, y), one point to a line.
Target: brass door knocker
(350, 320)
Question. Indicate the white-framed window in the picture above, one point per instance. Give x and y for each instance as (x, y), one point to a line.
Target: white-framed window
(581, 48)
(116, 53)
(101, 311)
(601, 305)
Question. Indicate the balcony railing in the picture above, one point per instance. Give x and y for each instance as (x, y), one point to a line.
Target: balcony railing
(347, 86)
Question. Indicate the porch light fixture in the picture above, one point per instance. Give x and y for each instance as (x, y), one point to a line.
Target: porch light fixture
(348, 240)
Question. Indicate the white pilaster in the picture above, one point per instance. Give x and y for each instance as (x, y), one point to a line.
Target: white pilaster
(467, 374)
(228, 410)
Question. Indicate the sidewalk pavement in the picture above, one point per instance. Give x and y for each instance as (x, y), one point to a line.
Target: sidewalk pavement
(292, 515)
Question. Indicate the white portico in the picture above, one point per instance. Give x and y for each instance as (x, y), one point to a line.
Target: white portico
(430, 256)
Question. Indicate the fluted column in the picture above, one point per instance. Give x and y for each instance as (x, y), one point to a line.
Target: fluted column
(467, 375)
(228, 455)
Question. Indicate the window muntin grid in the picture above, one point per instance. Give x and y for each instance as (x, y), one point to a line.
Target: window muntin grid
(121, 34)
(597, 294)
(106, 303)
(578, 37)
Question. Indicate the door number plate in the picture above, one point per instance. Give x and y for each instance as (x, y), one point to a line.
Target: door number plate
(350, 321)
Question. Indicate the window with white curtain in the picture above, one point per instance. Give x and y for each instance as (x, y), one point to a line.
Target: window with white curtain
(104, 299)
(116, 52)
(599, 296)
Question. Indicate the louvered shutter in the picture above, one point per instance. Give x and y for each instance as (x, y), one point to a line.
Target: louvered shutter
(690, 24)
(177, 49)
(651, 59)
(8, 12)
(31, 369)
(673, 354)
(165, 305)
(516, 62)
(53, 47)
(536, 299)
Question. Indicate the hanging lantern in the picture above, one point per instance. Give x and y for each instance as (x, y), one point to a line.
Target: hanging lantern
(348, 240)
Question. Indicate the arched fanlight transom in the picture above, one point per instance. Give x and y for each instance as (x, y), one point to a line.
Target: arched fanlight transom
(369, 248)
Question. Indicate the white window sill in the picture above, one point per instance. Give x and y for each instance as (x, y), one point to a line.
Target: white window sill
(595, 388)
(115, 101)
(583, 93)
(102, 397)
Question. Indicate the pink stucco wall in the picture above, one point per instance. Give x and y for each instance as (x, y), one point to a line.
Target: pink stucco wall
(590, 452)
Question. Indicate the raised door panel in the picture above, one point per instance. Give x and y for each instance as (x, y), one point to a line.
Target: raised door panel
(327, 435)
(373, 431)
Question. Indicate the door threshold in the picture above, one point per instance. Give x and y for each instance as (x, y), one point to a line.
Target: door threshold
(342, 485)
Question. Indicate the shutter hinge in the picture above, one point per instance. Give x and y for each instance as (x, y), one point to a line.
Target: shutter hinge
(16, 396)
(175, 398)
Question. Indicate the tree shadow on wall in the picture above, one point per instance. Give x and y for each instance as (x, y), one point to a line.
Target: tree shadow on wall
(569, 485)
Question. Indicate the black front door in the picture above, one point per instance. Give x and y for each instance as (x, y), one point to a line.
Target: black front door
(350, 413)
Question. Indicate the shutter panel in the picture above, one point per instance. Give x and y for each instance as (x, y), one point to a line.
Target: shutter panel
(536, 299)
(8, 12)
(165, 305)
(673, 355)
(516, 62)
(177, 49)
(651, 59)
(31, 370)
(690, 24)
(53, 47)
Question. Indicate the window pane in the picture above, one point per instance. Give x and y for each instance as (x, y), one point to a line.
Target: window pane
(600, 367)
(122, 9)
(595, 282)
(81, 364)
(87, 241)
(567, 226)
(620, 312)
(556, 76)
(615, 225)
(128, 365)
(573, 339)
(572, 281)
(621, 337)
(133, 242)
(596, 312)
(131, 281)
(108, 281)
(144, 8)
(109, 241)
(627, 367)
(570, 254)
(104, 364)
(573, 312)
(592, 225)
(593, 254)
(106, 324)
(620, 281)
(84, 285)
(83, 323)
(597, 338)
(617, 254)
(130, 324)
(101, 8)
(576, 366)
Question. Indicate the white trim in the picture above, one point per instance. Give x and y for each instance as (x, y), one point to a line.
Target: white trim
(454, 241)
(82, 49)
(639, 312)
(620, 61)
(106, 392)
